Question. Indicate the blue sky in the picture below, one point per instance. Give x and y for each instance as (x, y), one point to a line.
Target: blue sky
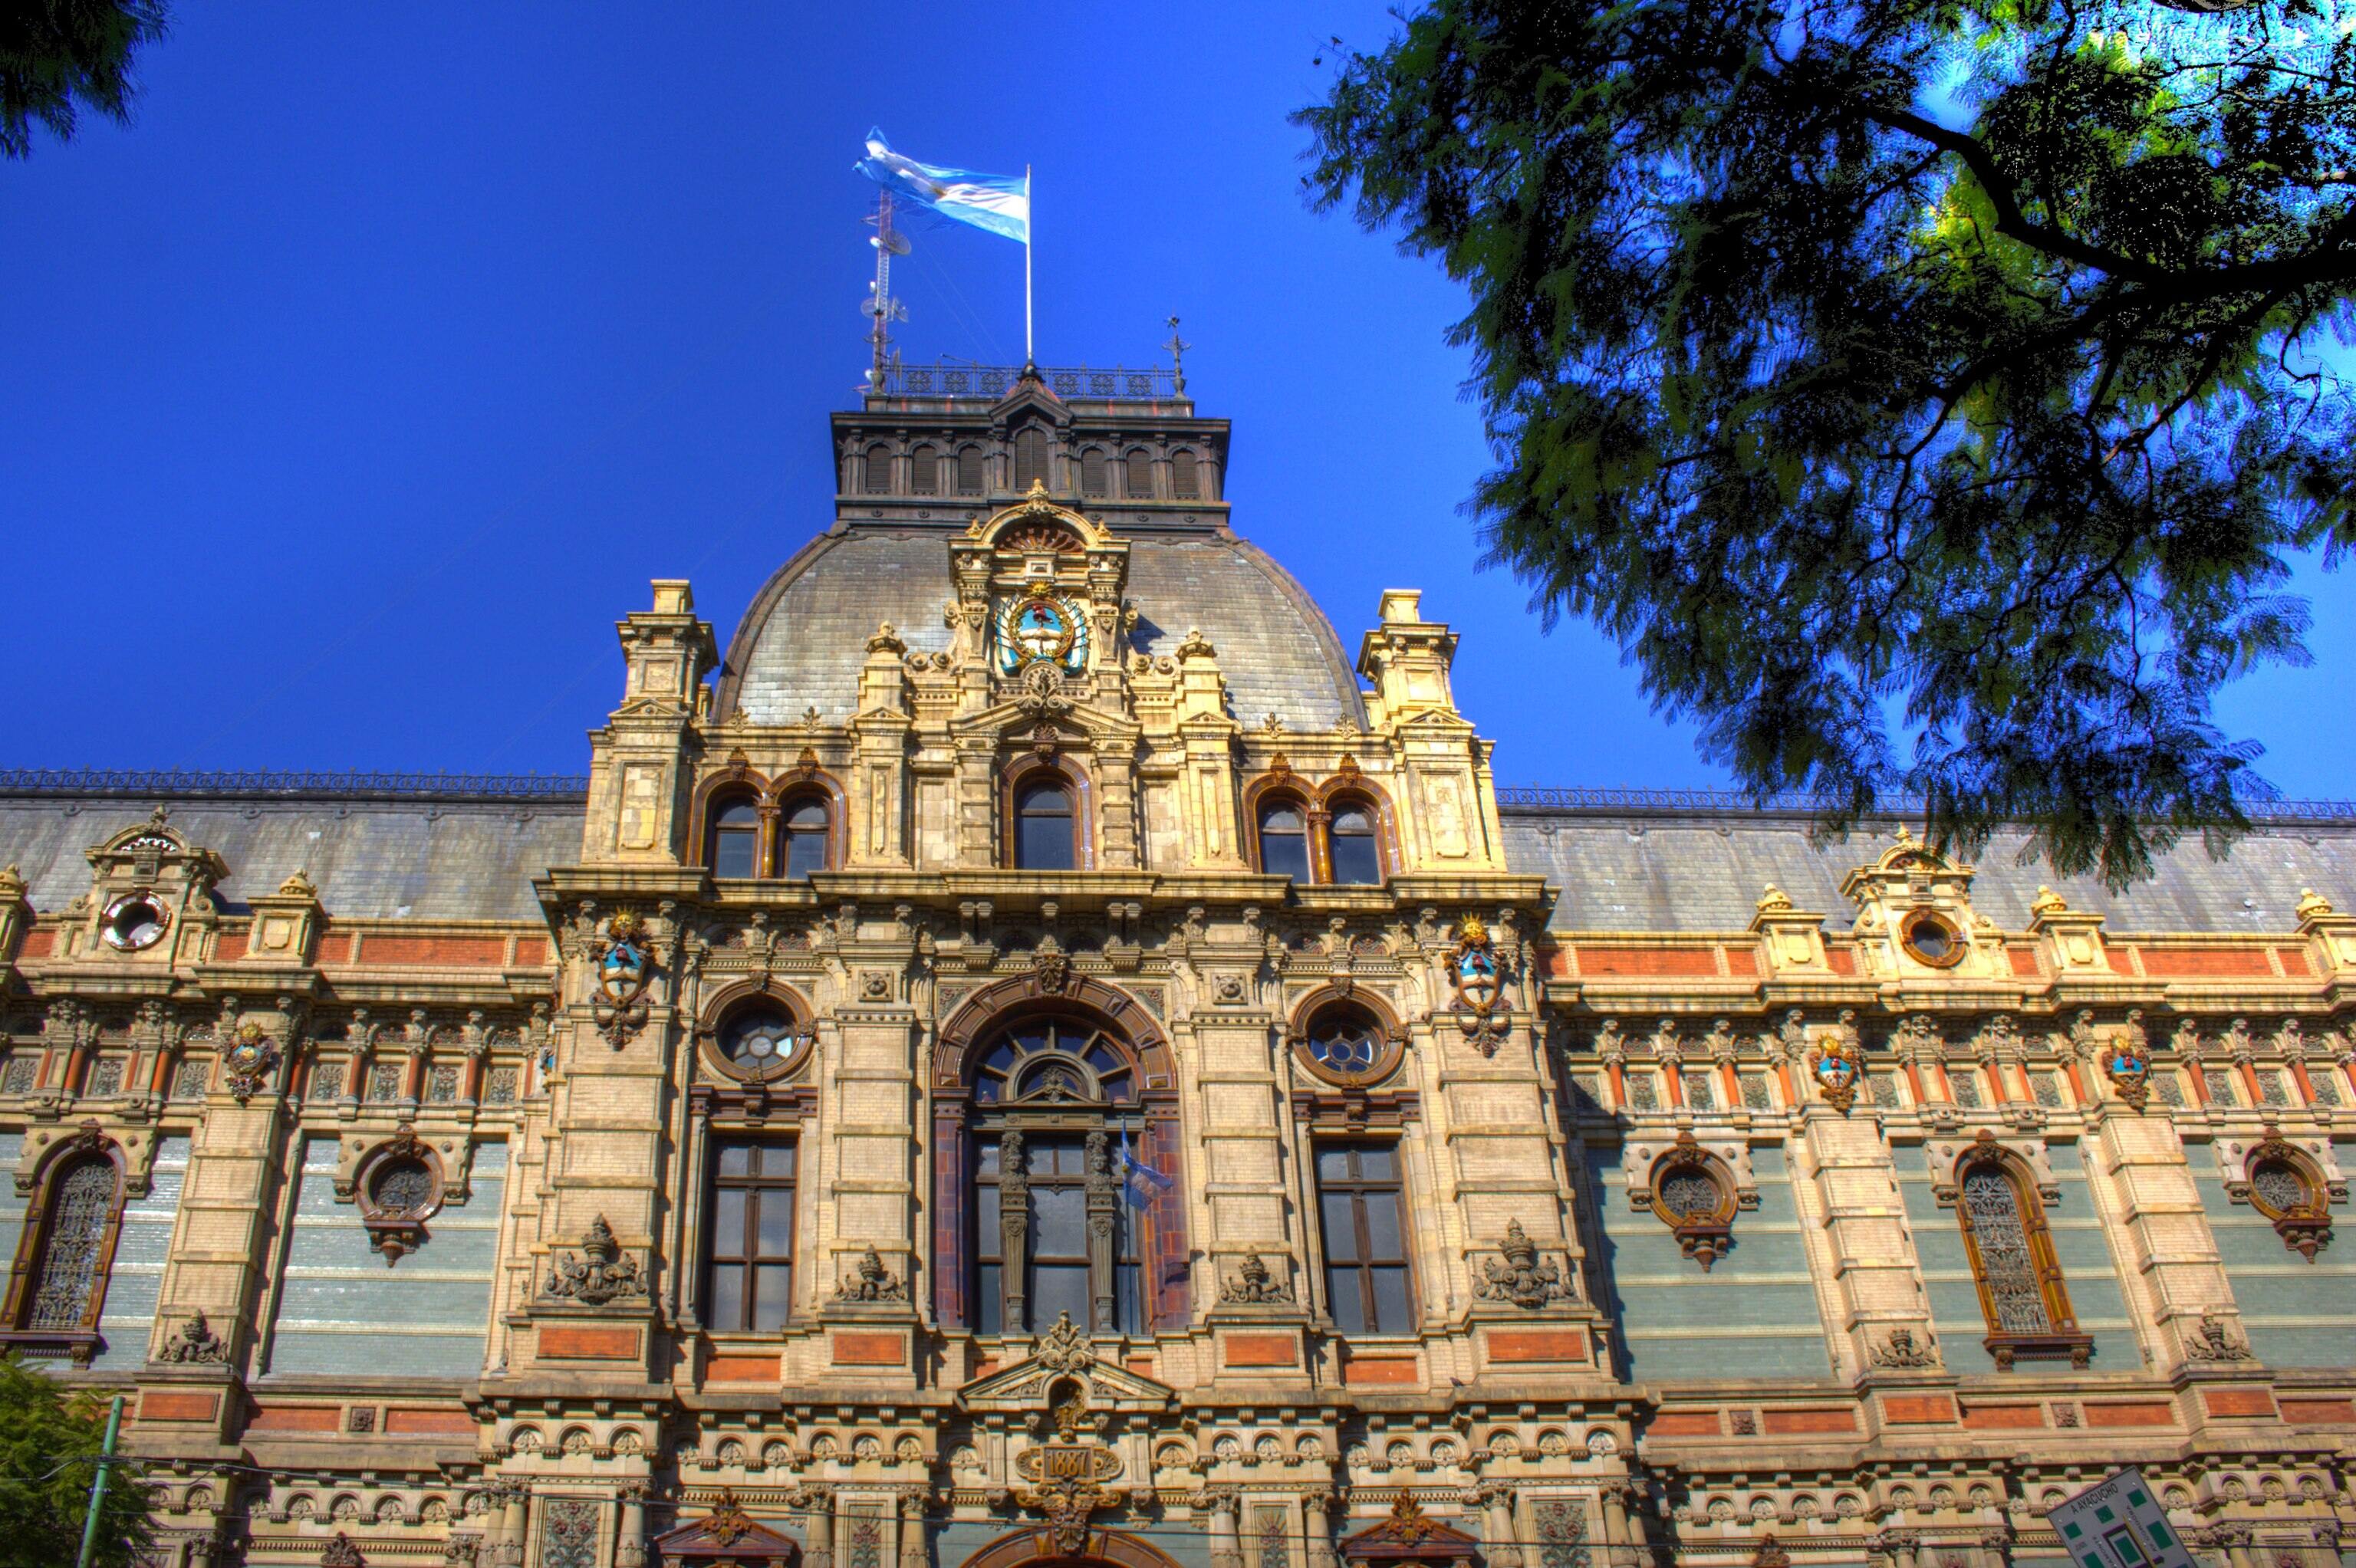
(363, 382)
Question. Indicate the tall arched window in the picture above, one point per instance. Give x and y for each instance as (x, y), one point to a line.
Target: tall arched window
(69, 1276)
(877, 479)
(1137, 474)
(734, 841)
(968, 468)
(2021, 1292)
(1284, 841)
(1053, 1099)
(1183, 482)
(1093, 480)
(925, 471)
(1351, 845)
(1046, 839)
(804, 828)
(1030, 456)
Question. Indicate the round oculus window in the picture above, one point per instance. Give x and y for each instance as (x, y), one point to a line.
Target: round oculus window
(402, 1186)
(1932, 939)
(760, 1039)
(132, 922)
(1346, 1044)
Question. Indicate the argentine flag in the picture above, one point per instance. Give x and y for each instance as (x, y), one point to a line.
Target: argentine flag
(1140, 1182)
(1000, 203)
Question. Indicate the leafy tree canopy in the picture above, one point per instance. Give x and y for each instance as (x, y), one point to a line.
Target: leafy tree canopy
(1929, 395)
(56, 53)
(49, 1443)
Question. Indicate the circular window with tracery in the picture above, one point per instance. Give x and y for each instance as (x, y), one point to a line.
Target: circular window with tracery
(1347, 1043)
(1055, 1060)
(761, 1038)
(1695, 1197)
(402, 1186)
(1932, 938)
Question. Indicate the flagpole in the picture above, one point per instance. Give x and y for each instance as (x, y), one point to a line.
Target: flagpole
(1030, 217)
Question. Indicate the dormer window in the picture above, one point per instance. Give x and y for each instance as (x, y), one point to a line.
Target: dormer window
(1030, 458)
(132, 922)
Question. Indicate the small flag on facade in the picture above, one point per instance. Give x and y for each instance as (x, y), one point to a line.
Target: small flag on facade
(1140, 1182)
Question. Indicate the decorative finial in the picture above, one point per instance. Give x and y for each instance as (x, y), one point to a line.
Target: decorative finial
(1177, 346)
(1773, 899)
(1905, 835)
(2047, 902)
(2310, 902)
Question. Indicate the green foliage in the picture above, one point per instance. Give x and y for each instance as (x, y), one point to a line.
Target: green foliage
(49, 1441)
(55, 54)
(1929, 395)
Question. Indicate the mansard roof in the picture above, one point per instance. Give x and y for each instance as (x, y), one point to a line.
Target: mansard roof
(1699, 866)
(803, 639)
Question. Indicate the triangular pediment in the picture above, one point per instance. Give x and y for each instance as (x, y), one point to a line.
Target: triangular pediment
(1410, 1535)
(728, 1535)
(1066, 1354)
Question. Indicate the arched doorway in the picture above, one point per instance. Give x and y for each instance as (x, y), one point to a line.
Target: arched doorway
(1034, 1546)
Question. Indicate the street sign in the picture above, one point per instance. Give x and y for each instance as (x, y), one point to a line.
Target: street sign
(2118, 1524)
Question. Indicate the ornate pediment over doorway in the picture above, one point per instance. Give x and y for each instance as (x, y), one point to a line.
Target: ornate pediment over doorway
(1065, 1353)
(727, 1537)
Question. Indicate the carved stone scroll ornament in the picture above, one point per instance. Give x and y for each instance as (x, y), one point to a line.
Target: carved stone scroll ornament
(872, 1282)
(1065, 1487)
(1254, 1285)
(599, 1272)
(1064, 1348)
(341, 1553)
(1521, 1277)
(196, 1344)
(247, 1063)
(1906, 1350)
(625, 962)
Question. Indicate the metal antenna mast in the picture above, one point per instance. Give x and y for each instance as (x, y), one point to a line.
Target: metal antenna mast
(881, 308)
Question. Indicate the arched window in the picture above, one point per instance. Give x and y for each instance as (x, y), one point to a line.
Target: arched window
(804, 831)
(734, 849)
(1055, 1099)
(1182, 483)
(69, 1276)
(2011, 1251)
(1093, 481)
(925, 471)
(1351, 847)
(1137, 474)
(2286, 1188)
(1284, 841)
(1045, 832)
(1030, 456)
(877, 478)
(968, 466)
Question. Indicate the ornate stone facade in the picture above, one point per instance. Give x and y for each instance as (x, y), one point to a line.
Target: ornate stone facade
(1034, 1055)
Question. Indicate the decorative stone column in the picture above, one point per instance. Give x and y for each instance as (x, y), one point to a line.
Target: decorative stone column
(1496, 1501)
(1318, 1528)
(630, 1539)
(817, 1504)
(1225, 1504)
(507, 1547)
(914, 1552)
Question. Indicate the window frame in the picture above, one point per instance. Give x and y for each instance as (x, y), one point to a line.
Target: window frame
(1021, 787)
(757, 1183)
(782, 833)
(867, 474)
(721, 803)
(1354, 799)
(1137, 462)
(1268, 805)
(2062, 1337)
(1324, 1006)
(1355, 1188)
(81, 1343)
(925, 470)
